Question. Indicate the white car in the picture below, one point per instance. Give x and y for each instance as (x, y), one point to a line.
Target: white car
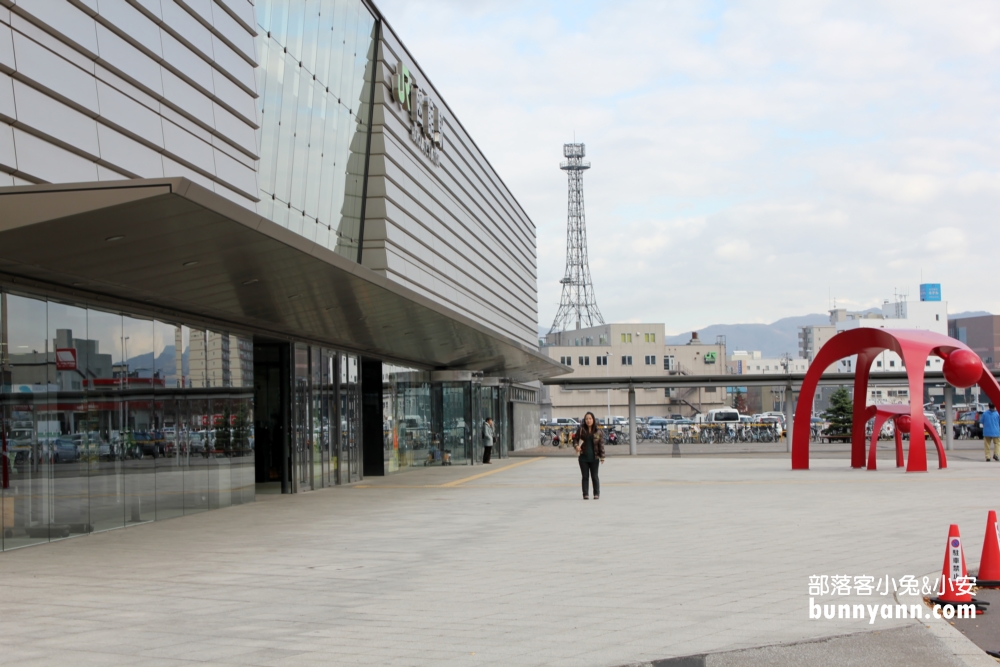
(935, 422)
(723, 415)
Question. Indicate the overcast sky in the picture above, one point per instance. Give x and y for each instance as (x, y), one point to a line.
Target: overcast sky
(750, 159)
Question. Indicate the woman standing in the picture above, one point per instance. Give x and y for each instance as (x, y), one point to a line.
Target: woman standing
(588, 441)
(489, 435)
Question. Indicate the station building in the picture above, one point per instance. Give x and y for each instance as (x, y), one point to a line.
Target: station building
(244, 247)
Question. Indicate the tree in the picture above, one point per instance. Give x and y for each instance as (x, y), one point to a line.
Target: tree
(740, 401)
(840, 414)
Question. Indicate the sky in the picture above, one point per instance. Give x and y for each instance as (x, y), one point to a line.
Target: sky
(750, 160)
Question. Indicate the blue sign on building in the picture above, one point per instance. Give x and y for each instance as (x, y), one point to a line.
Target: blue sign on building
(930, 292)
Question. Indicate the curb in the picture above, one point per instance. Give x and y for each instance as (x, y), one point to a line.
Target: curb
(960, 646)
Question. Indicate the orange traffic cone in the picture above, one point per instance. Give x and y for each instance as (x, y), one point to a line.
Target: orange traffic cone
(989, 563)
(954, 569)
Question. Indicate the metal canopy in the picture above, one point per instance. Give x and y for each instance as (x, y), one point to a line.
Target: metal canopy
(174, 245)
(755, 380)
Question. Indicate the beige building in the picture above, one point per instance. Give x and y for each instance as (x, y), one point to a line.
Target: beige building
(631, 350)
(763, 399)
(813, 337)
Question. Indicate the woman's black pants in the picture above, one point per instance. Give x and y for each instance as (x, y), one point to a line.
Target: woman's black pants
(589, 469)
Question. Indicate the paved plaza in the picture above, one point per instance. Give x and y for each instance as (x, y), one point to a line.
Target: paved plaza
(502, 565)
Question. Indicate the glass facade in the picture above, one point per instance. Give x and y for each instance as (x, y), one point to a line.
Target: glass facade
(112, 420)
(427, 423)
(325, 392)
(314, 84)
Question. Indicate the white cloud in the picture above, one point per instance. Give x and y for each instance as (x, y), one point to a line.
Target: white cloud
(749, 158)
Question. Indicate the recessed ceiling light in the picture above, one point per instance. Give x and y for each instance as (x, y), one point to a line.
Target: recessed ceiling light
(191, 263)
(114, 238)
(251, 281)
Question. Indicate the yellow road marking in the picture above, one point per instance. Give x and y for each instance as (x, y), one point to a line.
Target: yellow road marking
(491, 472)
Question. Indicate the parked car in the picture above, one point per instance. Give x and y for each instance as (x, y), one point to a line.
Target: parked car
(932, 418)
(723, 415)
(61, 450)
(658, 423)
(779, 415)
(973, 426)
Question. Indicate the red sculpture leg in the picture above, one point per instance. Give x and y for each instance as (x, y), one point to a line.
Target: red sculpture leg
(899, 445)
(880, 419)
(914, 359)
(942, 458)
(864, 364)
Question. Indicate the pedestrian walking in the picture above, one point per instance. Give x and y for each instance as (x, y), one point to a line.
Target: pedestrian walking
(991, 432)
(588, 441)
(488, 436)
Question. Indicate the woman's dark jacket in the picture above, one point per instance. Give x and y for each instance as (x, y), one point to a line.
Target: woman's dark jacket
(598, 440)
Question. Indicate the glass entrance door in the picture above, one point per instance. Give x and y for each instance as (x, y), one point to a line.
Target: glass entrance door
(302, 450)
(350, 420)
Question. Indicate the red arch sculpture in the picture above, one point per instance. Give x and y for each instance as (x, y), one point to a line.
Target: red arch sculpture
(898, 413)
(913, 347)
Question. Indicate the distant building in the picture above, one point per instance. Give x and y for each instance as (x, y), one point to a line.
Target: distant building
(631, 350)
(764, 399)
(812, 338)
(982, 334)
(928, 314)
(742, 362)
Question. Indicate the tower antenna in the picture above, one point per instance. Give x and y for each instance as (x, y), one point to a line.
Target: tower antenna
(577, 306)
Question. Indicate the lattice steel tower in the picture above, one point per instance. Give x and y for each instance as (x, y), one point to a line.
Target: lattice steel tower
(577, 307)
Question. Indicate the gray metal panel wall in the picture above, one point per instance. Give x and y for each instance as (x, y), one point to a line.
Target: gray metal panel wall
(452, 231)
(129, 89)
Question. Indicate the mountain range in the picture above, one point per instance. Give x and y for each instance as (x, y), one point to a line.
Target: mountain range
(771, 340)
(776, 338)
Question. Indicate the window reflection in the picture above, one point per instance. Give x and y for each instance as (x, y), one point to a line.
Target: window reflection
(315, 93)
(109, 420)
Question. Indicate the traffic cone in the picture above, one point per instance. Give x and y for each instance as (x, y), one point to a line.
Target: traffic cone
(954, 568)
(989, 562)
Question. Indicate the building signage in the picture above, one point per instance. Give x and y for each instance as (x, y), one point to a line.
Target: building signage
(709, 357)
(65, 359)
(426, 122)
(930, 292)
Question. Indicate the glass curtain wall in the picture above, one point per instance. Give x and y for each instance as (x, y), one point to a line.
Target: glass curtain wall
(325, 393)
(316, 65)
(453, 405)
(350, 420)
(494, 404)
(406, 398)
(111, 420)
(439, 423)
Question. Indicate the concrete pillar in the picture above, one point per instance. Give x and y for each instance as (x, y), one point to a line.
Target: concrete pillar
(790, 416)
(631, 421)
(949, 416)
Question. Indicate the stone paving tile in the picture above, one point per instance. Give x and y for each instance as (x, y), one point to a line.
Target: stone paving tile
(680, 556)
